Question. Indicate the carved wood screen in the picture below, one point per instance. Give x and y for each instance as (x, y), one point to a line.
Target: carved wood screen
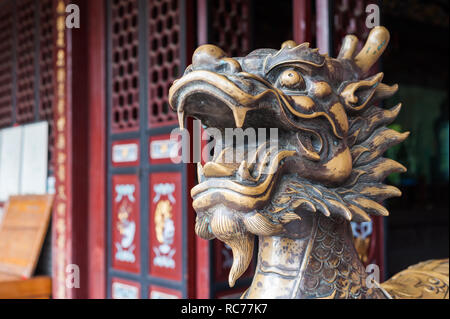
(46, 33)
(26, 71)
(230, 25)
(164, 59)
(6, 64)
(26, 64)
(125, 67)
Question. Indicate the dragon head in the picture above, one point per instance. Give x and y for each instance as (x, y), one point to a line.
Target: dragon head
(326, 157)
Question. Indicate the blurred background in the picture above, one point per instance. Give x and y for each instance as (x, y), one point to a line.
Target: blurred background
(122, 210)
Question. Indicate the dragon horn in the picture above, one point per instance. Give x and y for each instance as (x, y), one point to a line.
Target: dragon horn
(348, 47)
(375, 45)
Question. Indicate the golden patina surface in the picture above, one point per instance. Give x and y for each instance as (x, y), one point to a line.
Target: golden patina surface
(426, 280)
(298, 191)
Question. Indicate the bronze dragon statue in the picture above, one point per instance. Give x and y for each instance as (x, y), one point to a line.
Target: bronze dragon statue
(325, 170)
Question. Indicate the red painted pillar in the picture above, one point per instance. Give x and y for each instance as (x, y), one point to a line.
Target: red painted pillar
(79, 163)
(323, 35)
(62, 211)
(97, 150)
(302, 20)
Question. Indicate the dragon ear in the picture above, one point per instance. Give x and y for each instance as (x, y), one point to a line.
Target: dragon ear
(356, 95)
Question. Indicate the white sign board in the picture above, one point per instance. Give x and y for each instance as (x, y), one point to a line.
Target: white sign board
(34, 159)
(123, 153)
(10, 155)
(124, 291)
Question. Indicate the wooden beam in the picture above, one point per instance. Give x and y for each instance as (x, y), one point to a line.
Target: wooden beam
(34, 288)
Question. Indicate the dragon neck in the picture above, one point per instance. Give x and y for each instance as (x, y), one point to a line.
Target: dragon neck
(322, 264)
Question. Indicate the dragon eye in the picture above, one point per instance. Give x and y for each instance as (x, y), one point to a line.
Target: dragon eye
(291, 79)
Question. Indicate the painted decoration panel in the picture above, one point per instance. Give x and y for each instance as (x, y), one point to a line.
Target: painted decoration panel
(158, 292)
(125, 223)
(125, 289)
(165, 225)
(125, 153)
(162, 150)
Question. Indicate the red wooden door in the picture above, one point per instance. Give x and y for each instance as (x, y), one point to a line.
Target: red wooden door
(149, 241)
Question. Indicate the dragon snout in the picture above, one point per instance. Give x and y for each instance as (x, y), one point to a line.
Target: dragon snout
(217, 90)
(209, 57)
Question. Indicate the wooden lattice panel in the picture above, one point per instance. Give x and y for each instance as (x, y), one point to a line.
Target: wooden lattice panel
(25, 61)
(230, 25)
(125, 72)
(6, 60)
(349, 18)
(46, 72)
(164, 58)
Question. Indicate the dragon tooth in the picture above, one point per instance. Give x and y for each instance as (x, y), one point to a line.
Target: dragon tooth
(239, 114)
(244, 171)
(181, 118)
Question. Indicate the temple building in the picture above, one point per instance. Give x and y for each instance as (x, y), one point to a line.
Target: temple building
(85, 117)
